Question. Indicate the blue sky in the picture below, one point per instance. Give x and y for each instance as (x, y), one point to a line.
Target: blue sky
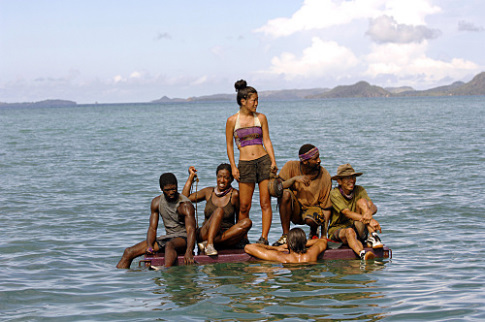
(138, 51)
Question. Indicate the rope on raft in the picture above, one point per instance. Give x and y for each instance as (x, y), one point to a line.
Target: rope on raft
(196, 179)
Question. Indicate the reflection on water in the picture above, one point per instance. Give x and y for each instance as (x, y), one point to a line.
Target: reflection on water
(179, 287)
(261, 290)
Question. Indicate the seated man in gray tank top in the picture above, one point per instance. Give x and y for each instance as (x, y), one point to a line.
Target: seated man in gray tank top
(178, 215)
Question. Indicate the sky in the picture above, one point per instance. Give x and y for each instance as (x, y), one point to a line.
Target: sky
(120, 51)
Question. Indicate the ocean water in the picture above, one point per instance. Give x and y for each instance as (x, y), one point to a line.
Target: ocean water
(76, 185)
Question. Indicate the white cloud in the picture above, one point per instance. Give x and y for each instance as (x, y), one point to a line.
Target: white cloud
(118, 79)
(320, 58)
(321, 14)
(385, 29)
(135, 75)
(410, 60)
(410, 12)
(199, 81)
(399, 32)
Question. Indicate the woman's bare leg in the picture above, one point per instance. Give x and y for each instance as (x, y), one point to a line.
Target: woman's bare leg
(234, 234)
(265, 202)
(246, 191)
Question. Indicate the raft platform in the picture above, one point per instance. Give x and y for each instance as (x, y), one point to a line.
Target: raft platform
(239, 255)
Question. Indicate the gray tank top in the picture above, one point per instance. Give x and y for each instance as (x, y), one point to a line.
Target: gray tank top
(174, 224)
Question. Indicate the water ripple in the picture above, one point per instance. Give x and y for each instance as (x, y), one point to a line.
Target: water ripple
(76, 186)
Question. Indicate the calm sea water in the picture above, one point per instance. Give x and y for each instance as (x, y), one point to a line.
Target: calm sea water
(76, 185)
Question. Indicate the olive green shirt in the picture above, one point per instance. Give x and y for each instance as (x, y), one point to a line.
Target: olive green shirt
(339, 203)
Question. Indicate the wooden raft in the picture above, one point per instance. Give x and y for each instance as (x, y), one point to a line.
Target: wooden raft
(239, 255)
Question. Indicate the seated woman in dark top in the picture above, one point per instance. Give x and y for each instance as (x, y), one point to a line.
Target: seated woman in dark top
(220, 229)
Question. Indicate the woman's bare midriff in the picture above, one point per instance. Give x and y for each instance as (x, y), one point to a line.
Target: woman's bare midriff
(251, 152)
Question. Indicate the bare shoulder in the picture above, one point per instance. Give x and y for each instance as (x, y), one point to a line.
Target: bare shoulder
(319, 246)
(261, 116)
(205, 192)
(232, 119)
(156, 201)
(235, 197)
(230, 124)
(185, 204)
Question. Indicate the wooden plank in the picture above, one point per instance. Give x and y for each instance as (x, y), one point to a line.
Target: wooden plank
(224, 256)
(344, 252)
(239, 255)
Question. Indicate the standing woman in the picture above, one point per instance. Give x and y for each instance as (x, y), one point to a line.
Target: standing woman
(256, 154)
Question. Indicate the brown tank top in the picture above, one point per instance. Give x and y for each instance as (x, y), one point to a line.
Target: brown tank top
(229, 218)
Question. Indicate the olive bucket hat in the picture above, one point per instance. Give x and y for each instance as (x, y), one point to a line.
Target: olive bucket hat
(345, 170)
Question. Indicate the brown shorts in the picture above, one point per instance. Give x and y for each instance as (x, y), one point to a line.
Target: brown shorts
(299, 214)
(336, 233)
(254, 171)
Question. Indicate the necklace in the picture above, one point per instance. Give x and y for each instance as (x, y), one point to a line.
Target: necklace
(220, 194)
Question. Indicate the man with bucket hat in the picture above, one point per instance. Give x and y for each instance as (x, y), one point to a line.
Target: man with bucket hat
(352, 220)
(304, 197)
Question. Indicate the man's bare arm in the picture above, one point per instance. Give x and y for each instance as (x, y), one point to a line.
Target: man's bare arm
(303, 179)
(367, 215)
(152, 228)
(317, 246)
(265, 252)
(187, 210)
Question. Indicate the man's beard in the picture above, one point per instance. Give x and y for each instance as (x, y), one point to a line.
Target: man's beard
(171, 199)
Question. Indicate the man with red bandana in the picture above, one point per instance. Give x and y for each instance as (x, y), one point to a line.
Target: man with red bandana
(306, 195)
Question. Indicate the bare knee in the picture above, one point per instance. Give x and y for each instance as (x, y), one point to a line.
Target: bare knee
(129, 252)
(170, 247)
(285, 198)
(176, 245)
(245, 223)
(285, 201)
(350, 233)
(311, 223)
(285, 208)
(362, 205)
(265, 203)
(266, 206)
(244, 208)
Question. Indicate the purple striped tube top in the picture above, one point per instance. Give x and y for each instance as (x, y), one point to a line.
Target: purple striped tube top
(248, 136)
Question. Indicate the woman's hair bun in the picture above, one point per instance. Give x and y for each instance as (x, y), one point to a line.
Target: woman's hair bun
(240, 84)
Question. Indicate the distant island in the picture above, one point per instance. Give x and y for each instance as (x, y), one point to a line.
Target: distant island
(46, 103)
(359, 90)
